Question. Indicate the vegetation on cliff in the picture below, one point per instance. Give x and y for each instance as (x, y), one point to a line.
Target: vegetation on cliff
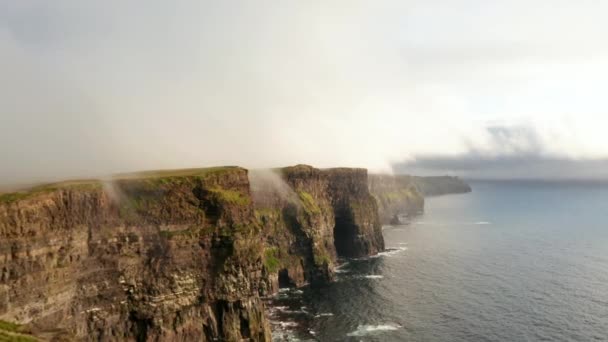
(83, 185)
(12, 332)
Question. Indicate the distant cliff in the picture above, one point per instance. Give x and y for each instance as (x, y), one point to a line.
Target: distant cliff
(175, 255)
(440, 185)
(396, 195)
(403, 195)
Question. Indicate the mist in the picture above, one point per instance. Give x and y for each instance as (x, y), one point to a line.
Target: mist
(90, 89)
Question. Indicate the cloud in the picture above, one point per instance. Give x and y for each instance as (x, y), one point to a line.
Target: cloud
(512, 152)
(94, 88)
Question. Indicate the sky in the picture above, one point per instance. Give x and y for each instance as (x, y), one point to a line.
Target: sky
(470, 88)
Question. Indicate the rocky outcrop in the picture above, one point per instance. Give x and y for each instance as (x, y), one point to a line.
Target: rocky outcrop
(180, 255)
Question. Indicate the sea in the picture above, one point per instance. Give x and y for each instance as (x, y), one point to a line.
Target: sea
(510, 261)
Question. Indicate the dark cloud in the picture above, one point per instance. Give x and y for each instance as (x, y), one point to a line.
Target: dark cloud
(512, 153)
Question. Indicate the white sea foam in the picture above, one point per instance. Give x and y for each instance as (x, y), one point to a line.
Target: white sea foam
(286, 310)
(283, 331)
(324, 314)
(363, 330)
(390, 252)
(387, 253)
(482, 222)
(340, 268)
(373, 276)
(288, 324)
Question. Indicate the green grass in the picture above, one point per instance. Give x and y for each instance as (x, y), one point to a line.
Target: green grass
(48, 188)
(267, 213)
(154, 178)
(230, 196)
(9, 326)
(165, 175)
(11, 332)
(6, 337)
(271, 260)
(309, 203)
(321, 259)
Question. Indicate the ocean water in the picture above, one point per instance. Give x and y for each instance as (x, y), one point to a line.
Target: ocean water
(515, 261)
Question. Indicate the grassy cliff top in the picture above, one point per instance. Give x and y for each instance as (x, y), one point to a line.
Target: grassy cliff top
(92, 184)
(192, 172)
(85, 184)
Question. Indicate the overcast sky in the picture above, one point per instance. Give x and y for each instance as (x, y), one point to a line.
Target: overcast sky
(89, 88)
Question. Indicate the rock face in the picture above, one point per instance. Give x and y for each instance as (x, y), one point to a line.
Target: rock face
(358, 229)
(178, 256)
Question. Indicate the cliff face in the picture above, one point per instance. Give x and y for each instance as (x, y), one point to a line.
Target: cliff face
(358, 231)
(160, 258)
(176, 256)
(396, 195)
(313, 216)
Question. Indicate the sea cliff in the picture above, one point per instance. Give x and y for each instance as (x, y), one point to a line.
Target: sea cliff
(175, 255)
(402, 196)
(441, 185)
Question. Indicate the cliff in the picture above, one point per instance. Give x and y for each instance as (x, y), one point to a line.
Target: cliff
(180, 255)
(403, 195)
(397, 196)
(441, 185)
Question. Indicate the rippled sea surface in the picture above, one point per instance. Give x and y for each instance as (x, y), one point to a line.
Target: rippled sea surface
(508, 262)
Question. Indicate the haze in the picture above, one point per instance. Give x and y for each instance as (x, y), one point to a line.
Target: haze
(434, 86)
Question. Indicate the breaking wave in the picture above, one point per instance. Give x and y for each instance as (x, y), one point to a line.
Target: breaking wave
(363, 330)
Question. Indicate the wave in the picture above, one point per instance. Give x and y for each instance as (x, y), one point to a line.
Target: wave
(324, 314)
(363, 330)
(482, 222)
(340, 268)
(387, 253)
(283, 331)
(288, 311)
(373, 276)
(390, 251)
(291, 290)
